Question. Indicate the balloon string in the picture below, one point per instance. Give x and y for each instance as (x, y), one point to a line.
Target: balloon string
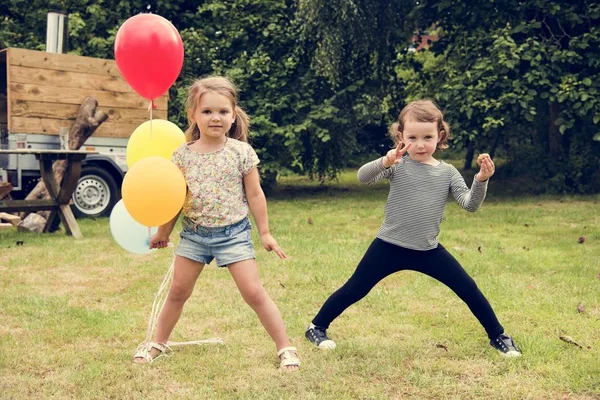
(151, 107)
(160, 298)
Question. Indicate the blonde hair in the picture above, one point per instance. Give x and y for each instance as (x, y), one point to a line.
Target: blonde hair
(221, 85)
(421, 111)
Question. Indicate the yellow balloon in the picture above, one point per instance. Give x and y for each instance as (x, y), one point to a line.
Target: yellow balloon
(157, 137)
(153, 191)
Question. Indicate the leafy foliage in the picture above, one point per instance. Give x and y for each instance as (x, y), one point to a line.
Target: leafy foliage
(321, 79)
(527, 78)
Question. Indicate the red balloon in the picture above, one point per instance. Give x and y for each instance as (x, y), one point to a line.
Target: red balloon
(149, 54)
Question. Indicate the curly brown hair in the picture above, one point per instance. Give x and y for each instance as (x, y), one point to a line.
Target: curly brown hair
(421, 111)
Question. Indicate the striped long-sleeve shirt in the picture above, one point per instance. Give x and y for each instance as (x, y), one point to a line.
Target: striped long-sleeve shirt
(417, 198)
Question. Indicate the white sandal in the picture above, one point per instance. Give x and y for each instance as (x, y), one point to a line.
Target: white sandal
(290, 357)
(143, 352)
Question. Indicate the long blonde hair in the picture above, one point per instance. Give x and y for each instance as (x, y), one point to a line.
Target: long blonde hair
(221, 85)
(421, 111)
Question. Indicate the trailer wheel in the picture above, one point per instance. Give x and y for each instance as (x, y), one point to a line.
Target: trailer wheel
(96, 193)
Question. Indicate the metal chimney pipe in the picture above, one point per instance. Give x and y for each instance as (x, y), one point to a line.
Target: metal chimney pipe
(57, 32)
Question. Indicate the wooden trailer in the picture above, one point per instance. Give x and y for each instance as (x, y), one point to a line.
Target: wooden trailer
(41, 92)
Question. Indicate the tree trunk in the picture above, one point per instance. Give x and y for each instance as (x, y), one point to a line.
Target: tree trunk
(87, 121)
(469, 155)
(495, 144)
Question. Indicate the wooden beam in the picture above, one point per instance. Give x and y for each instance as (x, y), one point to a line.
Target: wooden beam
(52, 126)
(67, 79)
(51, 94)
(62, 62)
(36, 109)
(29, 206)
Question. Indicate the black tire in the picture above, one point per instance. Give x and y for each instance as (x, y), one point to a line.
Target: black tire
(96, 193)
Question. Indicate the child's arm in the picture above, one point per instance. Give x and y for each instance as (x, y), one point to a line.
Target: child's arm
(161, 238)
(258, 207)
(375, 170)
(471, 199)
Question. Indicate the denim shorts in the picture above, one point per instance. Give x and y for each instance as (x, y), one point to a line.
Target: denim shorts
(226, 244)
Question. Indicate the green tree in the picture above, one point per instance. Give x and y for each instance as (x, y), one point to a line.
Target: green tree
(518, 77)
(353, 45)
(519, 73)
(295, 113)
(255, 43)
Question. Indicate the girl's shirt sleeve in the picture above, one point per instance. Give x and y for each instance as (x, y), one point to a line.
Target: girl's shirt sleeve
(469, 199)
(176, 158)
(249, 160)
(374, 171)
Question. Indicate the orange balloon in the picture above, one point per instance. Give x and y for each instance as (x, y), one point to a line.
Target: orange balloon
(153, 191)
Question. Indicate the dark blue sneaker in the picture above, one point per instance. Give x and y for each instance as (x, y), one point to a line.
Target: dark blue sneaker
(506, 346)
(318, 336)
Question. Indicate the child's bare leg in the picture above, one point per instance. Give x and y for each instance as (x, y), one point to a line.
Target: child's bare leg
(184, 278)
(245, 275)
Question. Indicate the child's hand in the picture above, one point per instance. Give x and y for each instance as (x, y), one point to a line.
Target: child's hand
(159, 241)
(269, 243)
(394, 156)
(487, 168)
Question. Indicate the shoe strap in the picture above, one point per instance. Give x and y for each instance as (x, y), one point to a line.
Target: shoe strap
(283, 350)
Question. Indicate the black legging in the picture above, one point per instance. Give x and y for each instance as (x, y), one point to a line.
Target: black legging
(383, 259)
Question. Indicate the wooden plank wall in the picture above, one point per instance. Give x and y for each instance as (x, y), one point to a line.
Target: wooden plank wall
(45, 91)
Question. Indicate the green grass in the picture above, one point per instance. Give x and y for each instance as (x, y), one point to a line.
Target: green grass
(73, 311)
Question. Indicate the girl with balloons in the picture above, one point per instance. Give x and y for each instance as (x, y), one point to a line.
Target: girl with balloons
(223, 184)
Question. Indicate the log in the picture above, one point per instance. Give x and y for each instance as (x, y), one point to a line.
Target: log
(88, 119)
(5, 188)
(12, 219)
(5, 225)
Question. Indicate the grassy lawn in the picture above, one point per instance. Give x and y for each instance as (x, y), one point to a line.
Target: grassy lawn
(73, 311)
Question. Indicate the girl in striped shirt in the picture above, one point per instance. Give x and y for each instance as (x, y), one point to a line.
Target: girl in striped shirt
(407, 239)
